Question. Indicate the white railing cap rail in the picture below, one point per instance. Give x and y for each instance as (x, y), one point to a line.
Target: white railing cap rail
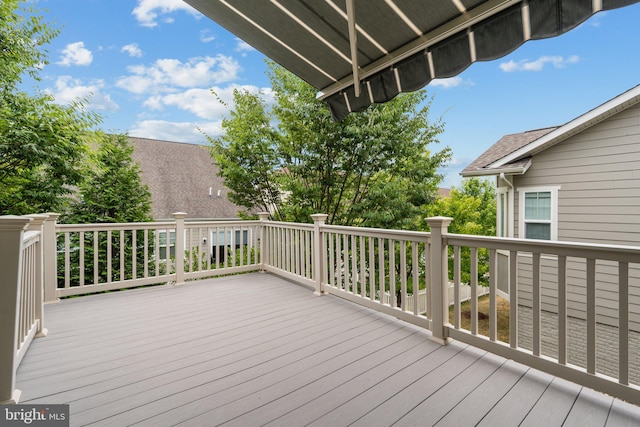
(571, 249)
(115, 226)
(222, 223)
(378, 232)
(296, 225)
(30, 237)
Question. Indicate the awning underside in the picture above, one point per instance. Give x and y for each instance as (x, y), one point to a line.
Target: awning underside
(397, 45)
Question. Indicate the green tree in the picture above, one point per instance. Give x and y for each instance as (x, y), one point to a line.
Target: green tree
(371, 169)
(112, 192)
(473, 209)
(41, 143)
(112, 189)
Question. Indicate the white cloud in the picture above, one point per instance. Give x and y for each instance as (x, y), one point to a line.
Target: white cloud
(147, 12)
(242, 46)
(165, 75)
(176, 131)
(202, 102)
(75, 54)
(68, 90)
(447, 83)
(206, 36)
(132, 49)
(538, 64)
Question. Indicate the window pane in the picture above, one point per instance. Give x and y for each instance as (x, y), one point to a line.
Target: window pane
(537, 205)
(538, 231)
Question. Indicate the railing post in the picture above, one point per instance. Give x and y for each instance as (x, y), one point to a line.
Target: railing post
(439, 278)
(179, 263)
(11, 235)
(318, 254)
(50, 261)
(38, 225)
(264, 256)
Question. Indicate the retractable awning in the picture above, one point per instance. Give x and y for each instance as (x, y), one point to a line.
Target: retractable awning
(390, 46)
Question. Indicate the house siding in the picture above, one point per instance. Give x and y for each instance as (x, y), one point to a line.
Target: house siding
(598, 171)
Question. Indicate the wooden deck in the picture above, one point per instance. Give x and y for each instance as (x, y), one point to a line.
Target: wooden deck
(254, 349)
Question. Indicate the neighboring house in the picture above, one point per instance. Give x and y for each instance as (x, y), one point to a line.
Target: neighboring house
(182, 178)
(443, 193)
(577, 182)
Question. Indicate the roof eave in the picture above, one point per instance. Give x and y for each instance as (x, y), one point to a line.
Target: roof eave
(592, 117)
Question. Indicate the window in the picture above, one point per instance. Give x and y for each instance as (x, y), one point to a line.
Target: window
(162, 243)
(538, 213)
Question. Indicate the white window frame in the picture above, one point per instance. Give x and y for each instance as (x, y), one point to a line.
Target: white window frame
(554, 208)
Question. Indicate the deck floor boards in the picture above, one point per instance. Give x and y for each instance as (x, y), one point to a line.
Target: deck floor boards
(255, 349)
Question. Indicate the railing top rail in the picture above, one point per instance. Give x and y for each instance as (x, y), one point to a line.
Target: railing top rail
(224, 223)
(30, 237)
(294, 225)
(570, 249)
(378, 232)
(114, 226)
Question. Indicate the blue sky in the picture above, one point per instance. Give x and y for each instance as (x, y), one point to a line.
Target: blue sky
(148, 67)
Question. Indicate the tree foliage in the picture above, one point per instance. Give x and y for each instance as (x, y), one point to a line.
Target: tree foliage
(112, 189)
(41, 143)
(372, 169)
(111, 192)
(473, 209)
(23, 35)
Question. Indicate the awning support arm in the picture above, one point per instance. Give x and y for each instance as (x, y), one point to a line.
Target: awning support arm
(353, 42)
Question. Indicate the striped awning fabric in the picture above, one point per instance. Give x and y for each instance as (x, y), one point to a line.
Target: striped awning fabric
(357, 52)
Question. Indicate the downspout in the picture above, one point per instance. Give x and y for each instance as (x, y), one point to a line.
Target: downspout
(504, 178)
(511, 206)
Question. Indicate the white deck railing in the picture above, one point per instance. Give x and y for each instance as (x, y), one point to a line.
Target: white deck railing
(21, 295)
(102, 257)
(401, 273)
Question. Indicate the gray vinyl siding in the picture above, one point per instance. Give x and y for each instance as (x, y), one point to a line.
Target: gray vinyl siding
(598, 172)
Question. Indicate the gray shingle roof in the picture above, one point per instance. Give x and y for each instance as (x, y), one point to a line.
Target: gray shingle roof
(505, 146)
(180, 177)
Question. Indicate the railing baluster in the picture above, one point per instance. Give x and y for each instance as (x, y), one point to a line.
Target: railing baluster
(456, 287)
(392, 273)
(513, 299)
(81, 258)
(536, 304)
(623, 323)
(562, 310)
(474, 290)
(109, 260)
(332, 261)
(96, 265)
(354, 268)
(134, 254)
(67, 260)
(591, 315)
(122, 247)
(363, 273)
(403, 275)
(415, 276)
(146, 253)
(381, 270)
(157, 251)
(233, 247)
(493, 279)
(427, 274)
